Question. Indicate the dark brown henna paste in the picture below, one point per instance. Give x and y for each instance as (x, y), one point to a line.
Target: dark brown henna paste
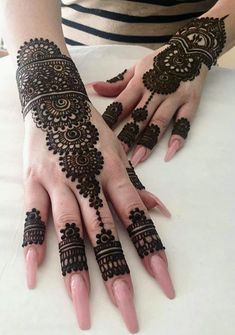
(181, 127)
(119, 77)
(50, 86)
(34, 228)
(150, 136)
(112, 113)
(134, 178)
(143, 233)
(72, 250)
(129, 133)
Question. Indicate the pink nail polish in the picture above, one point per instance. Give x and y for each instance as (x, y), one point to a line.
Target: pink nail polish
(138, 156)
(162, 208)
(80, 298)
(161, 274)
(125, 304)
(31, 267)
(174, 147)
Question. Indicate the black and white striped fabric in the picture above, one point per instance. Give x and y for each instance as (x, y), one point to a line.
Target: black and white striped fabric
(149, 23)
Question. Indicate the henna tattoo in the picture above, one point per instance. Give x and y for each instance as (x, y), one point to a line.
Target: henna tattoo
(134, 178)
(72, 250)
(181, 127)
(50, 86)
(109, 255)
(129, 133)
(143, 233)
(119, 77)
(150, 136)
(34, 228)
(112, 113)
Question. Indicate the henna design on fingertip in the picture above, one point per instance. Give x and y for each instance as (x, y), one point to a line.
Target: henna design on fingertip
(181, 127)
(134, 178)
(34, 228)
(112, 113)
(150, 136)
(143, 233)
(72, 250)
(118, 77)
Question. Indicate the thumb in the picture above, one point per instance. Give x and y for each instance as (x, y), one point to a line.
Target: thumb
(114, 86)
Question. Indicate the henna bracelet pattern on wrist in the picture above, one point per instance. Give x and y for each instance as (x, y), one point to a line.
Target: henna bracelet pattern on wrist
(50, 86)
(143, 233)
(34, 228)
(134, 178)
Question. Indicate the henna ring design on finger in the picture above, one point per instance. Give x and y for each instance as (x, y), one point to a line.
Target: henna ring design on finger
(181, 127)
(118, 77)
(34, 228)
(112, 113)
(134, 178)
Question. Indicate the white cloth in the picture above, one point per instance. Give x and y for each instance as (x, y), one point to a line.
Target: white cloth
(197, 185)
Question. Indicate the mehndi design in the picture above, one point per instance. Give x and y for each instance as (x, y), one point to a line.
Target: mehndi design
(118, 77)
(134, 178)
(112, 113)
(50, 86)
(199, 42)
(34, 228)
(181, 127)
(143, 233)
(150, 136)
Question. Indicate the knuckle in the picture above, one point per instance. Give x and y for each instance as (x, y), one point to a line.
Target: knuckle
(94, 224)
(161, 120)
(62, 218)
(114, 164)
(129, 207)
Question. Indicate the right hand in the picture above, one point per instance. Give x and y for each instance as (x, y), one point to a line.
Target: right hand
(74, 162)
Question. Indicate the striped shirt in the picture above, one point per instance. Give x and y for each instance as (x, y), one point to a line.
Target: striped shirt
(148, 23)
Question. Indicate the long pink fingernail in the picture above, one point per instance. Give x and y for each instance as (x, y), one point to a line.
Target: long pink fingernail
(162, 208)
(31, 267)
(173, 148)
(161, 274)
(125, 304)
(80, 299)
(138, 156)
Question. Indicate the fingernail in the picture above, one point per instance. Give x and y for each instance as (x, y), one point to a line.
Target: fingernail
(161, 274)
(173, 148)
(80, 298)
(31, 267)
(162, 208)
(125, 304)
(138, 156)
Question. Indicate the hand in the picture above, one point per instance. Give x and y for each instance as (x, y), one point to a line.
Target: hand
(164, 85)
(73, 162)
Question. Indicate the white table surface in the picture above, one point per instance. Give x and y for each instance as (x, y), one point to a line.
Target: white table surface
(198, 186)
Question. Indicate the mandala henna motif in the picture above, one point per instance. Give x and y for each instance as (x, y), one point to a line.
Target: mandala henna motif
(150, 136)
(34, 228)
(119, 77)
(134, 178)
(143, 233)
(112, 113)
(181, 127)
(50, 86)
(72, 250)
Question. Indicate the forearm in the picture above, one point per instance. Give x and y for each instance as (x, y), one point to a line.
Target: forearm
(26, 19)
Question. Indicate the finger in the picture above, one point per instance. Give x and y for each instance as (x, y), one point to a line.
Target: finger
(149, 199)
(37, 207)
(114, 86)
(155, 129)
(138, 120)
(110, 258)
(67, 220)
(141, 230)
(180, 129)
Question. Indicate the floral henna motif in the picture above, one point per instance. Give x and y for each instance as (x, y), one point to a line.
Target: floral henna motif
(112, 113)
(181, 127)
(34, 228)
(134, 178)
(119, 77)
(150, 136)
(143, 233)
(72, 250)
(50, 86)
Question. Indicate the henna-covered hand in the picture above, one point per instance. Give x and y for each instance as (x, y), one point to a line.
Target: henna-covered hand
(69, 154)
(165, 85)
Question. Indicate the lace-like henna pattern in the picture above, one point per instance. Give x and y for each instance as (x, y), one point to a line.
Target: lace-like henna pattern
(129, 133)
(150, 136)
(143, 233)
(112, 113)
(34, 228)
(181, 127)
(50, 87)
(118, 77)
(72, 250)
(109, 255)
(134, 178)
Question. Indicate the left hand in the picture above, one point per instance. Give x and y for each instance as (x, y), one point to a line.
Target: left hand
(145, 126)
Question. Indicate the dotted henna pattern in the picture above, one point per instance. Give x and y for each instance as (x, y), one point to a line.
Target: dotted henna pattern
(34, 228)
(134, 178)
(50, 86)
